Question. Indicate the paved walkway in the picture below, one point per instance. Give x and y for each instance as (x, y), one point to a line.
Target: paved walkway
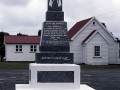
(100, 80)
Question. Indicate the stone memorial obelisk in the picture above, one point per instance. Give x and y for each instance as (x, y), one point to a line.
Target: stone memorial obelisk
(54, 46)
(54, 68)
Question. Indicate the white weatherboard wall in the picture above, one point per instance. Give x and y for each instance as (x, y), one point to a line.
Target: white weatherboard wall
(78, 49)
(97, 40)
(26, 55)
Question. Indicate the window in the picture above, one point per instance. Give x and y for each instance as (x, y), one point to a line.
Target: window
(94, 23)
(33, 48)
(97, 51)
(18, 48)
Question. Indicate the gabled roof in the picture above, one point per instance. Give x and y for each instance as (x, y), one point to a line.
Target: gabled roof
(77, 27)
(22, 39)
(89, 36)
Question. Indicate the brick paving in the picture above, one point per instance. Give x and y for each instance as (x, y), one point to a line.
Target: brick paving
(98, 79)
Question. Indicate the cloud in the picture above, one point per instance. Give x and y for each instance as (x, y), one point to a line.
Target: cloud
(27, 16)
(15, 2)
(22, 19)
(107, 11)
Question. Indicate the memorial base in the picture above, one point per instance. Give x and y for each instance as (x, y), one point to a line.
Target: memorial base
(54, 76)
(27, 87)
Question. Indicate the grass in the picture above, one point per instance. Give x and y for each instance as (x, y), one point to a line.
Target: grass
(25, 65)
(14, 65)
(100, 67)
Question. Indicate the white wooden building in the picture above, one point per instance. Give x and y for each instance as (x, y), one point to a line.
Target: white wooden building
(93, 44)
(21, 48)
(90, 41)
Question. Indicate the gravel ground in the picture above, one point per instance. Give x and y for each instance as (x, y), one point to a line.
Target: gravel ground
(98, 79)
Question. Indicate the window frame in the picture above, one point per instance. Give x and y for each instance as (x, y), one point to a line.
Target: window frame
(93, 23)
(97, 51)
(19, 48)
(33, 48)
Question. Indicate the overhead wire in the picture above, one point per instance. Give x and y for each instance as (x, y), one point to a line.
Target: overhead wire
(109, 12)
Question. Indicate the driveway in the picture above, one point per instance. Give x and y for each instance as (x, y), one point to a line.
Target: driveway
(98, 79)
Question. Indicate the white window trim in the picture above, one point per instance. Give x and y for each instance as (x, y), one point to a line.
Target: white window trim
(95, 56)
(19, 48)
(34, 49)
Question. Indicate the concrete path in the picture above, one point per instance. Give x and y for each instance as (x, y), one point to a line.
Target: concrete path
(99, 80)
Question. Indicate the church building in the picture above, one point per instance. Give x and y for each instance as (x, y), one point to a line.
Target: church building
(93, 44)
(90, 41)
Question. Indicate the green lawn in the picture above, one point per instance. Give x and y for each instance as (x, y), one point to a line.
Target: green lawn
(14, 65)
(25, 65)
(100, 67)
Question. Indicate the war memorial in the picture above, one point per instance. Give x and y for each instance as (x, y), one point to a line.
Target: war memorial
(54, 68)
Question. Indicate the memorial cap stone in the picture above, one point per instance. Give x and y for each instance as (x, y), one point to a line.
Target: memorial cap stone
(54, 5)
(54, 12)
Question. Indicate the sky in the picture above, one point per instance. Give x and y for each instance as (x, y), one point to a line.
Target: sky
(27, 16)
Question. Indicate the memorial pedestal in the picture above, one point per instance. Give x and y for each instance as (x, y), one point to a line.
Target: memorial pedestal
(53, 77)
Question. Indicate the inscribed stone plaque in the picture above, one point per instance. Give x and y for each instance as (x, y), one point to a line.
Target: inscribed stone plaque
(55, 76)
(54, 37)
(54, 58)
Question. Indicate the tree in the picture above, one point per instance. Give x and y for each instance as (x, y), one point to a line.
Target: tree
(2, 46)
(20, 34)
(39, 33)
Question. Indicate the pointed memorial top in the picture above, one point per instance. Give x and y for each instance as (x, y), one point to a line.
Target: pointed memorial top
(54, 5)
(54, 12)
